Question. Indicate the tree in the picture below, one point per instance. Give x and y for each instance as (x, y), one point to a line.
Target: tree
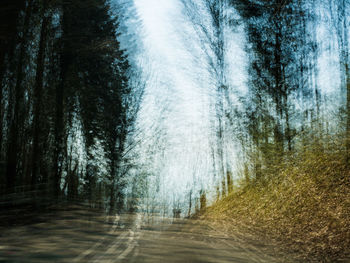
(278, 41)
(339, 13)
(65, 93)
(210, 21)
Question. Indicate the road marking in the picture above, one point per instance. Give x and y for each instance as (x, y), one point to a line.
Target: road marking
(98, 243)
(113, 248)
(130, 246)
(132, 243)
(110, 249)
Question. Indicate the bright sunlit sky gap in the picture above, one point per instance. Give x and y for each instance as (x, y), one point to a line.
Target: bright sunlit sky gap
(186, 120)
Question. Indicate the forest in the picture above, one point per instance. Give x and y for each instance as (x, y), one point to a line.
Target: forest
(234, 112)
(66, 101)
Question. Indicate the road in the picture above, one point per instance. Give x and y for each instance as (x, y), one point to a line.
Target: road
(79, 235)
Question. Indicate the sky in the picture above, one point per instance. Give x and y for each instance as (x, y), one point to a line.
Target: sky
(175, 89)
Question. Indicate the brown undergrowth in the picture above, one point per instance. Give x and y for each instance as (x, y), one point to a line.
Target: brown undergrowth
(305, 206)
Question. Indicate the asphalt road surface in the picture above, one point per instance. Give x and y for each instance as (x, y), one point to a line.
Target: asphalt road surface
(81, 235)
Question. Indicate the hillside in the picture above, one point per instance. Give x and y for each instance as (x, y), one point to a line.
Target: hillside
(305, 207)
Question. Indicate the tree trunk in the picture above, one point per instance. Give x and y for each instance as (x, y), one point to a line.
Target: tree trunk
(288, 134)
(59, 130)
(190, 205)
(277, 93)
(38, 92)
(12, 151)
(2, 72)
(229, 182)
(112, 191)
(9, 12)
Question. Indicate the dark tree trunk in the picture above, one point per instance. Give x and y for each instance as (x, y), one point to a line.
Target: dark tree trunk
(112, 186)
(12, 151)
(288, 133)
(59, 130)
(9, 12)
(38, 93)
(2, 72)
(279, 136)
(190, 204)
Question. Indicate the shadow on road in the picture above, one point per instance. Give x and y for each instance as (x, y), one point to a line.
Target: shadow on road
(78, 234)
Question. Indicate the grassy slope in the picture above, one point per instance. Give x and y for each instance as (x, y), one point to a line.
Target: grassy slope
(306, 206)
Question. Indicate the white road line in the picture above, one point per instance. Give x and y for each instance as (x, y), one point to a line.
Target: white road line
(130, 246)
(111, 248)
(132, 243)
(98, 243)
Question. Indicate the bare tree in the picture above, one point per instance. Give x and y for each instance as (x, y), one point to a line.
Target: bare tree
(211, 20)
